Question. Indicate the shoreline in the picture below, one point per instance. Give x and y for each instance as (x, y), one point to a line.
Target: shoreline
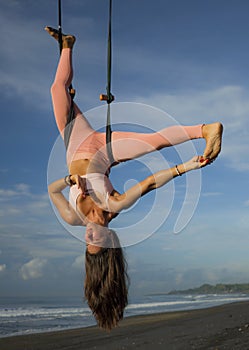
(220, 327)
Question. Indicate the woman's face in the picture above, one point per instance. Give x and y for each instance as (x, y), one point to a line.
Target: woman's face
(96, 236)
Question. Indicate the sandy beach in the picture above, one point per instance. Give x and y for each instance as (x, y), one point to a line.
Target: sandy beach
(217, 328)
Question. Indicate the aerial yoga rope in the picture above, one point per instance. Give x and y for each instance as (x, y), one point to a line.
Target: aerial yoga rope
(109, 98)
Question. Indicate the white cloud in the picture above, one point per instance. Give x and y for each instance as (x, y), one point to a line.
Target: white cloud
(211, 194)
(10, 212)
(23, 188)
(156, 278)
(2, 267)
(222, 102)
(63, 246)
(19, 200)
(228, 104)
(227, 274)
(33, 269)
(18, 190)
(79, 262)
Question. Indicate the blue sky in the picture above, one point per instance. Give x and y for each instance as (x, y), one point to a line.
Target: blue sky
(186, 58)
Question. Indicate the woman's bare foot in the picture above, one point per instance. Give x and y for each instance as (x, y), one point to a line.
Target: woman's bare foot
(212, 133)
(67, 40)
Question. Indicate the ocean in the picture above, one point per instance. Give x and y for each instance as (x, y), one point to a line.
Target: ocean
(26, 316)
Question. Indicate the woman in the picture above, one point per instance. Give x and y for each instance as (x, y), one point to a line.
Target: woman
(93, 202)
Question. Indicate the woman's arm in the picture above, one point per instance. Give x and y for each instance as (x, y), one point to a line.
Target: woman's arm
(152, 182)
(67, 213)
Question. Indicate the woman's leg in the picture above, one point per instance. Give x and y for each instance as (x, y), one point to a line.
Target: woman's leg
(59, 90)
(130, 145)
(63, 79)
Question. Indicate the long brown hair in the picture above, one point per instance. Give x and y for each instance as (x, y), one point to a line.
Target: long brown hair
(106, 284)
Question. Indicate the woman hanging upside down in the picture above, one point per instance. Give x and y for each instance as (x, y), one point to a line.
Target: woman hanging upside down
(93, 202)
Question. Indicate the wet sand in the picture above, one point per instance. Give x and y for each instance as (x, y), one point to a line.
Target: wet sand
(217, 328)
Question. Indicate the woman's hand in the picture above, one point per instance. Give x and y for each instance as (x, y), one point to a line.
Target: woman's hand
(80, 182)
(196, 162)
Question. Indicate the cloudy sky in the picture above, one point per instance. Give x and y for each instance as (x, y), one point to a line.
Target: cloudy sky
(177, 61)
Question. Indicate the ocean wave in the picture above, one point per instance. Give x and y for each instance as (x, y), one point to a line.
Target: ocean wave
(191, 299)
(42, 312)
(34, 318)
